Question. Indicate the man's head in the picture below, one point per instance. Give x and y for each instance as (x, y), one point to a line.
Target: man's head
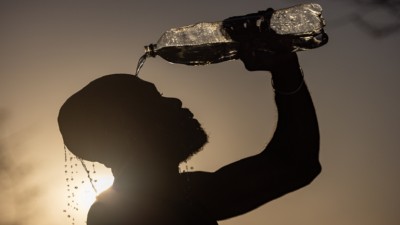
(119, 117)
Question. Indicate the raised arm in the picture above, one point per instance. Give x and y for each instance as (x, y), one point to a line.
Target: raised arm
(290, 160)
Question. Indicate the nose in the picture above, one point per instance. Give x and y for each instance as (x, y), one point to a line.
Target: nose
(174, 102)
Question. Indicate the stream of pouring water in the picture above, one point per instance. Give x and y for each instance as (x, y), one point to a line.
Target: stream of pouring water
(140, 64)
(88, 173)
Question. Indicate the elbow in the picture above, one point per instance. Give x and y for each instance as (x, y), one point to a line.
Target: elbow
(311, 172)
(304, 175)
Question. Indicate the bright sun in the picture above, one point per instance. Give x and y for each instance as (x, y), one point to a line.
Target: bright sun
(88, 196)
(80, 193)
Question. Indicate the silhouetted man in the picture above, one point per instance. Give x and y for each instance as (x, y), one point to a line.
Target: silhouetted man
(125, 123)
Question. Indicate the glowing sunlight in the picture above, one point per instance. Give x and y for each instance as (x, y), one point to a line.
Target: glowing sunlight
(80, 192)
(88, 196)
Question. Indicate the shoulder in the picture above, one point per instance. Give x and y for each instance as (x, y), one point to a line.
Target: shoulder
(129, 210)
(109, 208)
(97, 214)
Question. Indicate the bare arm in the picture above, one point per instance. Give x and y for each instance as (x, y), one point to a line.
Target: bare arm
(290, 160)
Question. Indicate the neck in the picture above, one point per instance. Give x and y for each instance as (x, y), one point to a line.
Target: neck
(155, 178)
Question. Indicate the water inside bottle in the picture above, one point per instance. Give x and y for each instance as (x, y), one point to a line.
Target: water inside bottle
(200, 54)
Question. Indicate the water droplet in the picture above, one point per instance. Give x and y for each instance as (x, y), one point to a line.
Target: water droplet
(69, 216)
(94, 171)
(83, 182)
(95, 180)
(65, 165)
(66, 171)
(68, 185)
(64, 210)
(76, 187)
(65, 153)
(191, 167)
(72, 178)
(67, 179)
(73, 200)
(245, 25)
(76, 164)
(71, 166)
(68, 204)
(69, 197)
(76, 209)
(68, 189)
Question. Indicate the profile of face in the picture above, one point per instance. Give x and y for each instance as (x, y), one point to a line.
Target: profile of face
(121, 116)
(175, 133)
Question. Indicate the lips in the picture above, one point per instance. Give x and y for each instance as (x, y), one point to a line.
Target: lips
(187, 121)
(186, 113)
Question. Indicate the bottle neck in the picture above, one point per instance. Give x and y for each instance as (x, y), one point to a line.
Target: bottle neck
(150, 52)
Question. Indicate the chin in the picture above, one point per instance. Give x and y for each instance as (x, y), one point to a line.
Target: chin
(190, 140)
(198, 144)
(179, 138)
(194, 140)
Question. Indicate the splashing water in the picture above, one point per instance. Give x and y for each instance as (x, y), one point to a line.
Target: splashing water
(71, 198)
(187, 171)
(94, 170)
(65, 153)
(87, 171)
(188, 187)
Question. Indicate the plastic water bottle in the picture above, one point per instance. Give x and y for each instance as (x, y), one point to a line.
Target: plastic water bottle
(286, 30)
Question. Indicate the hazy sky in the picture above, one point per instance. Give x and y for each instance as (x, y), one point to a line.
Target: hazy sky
(51, 49)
